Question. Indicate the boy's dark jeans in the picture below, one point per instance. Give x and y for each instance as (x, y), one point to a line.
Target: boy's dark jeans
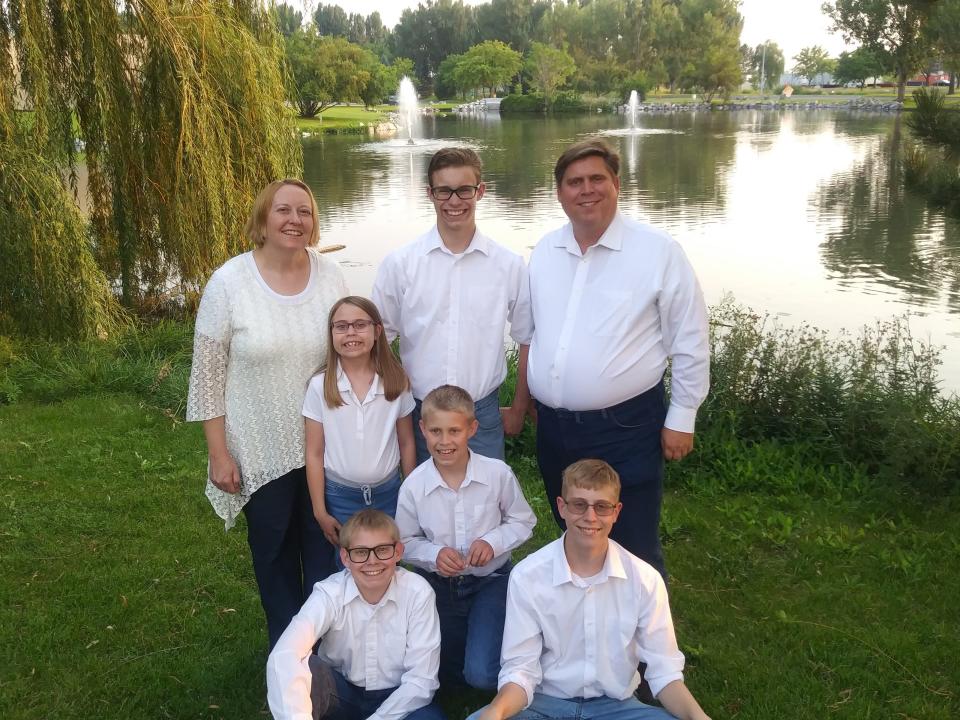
(472, 611)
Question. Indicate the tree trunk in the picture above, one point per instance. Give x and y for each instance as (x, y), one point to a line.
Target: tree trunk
(901, 84)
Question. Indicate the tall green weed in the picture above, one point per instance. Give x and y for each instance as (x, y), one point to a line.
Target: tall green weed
(871, 400)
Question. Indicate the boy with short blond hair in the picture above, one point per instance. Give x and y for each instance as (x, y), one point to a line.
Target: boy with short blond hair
(448, 296)
(460, 514)
(582, 612)
(379, 637)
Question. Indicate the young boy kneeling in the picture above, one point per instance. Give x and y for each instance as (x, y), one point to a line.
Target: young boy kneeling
(379, 637)
(460, 514)
(582, 612)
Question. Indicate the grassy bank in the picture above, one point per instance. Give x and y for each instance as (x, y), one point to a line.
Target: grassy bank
(811, 576)
(342, 119)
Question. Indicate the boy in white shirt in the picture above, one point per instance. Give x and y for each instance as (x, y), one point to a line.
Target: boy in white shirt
(460, 514)
(448, 295)
(582, 612)
(379, 637)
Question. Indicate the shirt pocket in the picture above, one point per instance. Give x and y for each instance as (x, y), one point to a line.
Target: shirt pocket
(612, 313)
(485, 305)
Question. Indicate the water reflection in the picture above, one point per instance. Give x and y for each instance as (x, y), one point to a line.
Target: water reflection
(885, 235)
(801, 214)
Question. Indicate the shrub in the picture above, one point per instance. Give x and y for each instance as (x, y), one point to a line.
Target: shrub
(532, 103)
(568, 102)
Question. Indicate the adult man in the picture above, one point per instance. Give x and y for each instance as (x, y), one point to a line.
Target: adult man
(612, 301)
(448, 296)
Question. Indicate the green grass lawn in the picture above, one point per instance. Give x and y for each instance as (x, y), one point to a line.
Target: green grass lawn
(341, 118)
(123, 597)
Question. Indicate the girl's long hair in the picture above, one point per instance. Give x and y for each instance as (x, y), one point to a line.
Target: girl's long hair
(387, 366)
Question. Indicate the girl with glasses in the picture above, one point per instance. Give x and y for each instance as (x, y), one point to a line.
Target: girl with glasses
(357, 414)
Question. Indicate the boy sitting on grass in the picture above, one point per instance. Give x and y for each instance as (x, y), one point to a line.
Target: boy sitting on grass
(460, 514)
(379, 637)
(582, 612)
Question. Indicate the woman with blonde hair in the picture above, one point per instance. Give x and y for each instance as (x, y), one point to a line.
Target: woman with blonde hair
(260, 334)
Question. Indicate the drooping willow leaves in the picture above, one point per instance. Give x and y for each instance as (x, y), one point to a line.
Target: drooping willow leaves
(175, 110)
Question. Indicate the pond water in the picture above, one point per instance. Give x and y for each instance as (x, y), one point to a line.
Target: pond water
(801, 215)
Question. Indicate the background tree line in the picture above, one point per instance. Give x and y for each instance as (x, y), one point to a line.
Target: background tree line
(589, 46)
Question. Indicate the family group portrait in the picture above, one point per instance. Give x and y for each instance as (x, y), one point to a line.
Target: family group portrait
(479, 359)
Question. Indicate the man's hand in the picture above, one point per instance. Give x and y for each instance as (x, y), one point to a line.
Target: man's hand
(676, 445)
(512, 420)
(480, 553)
(449, 562)
(224, 473)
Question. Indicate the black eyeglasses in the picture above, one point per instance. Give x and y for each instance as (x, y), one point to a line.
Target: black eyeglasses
(464, 192)
(341, 326)
(579, 507)
(362, 554)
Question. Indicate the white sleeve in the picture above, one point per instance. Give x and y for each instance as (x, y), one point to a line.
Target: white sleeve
(211, 350)
(387, 295)
(313, 402)
(288, 673)
(522, 640)
(521, 311)
(417, 549)
(421, 661)
(407, 403)
(520, 314)
(658, 642)
(686, 337)
(518, 519)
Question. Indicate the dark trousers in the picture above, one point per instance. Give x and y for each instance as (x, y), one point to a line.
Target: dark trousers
(472, 611)
(335, 698)
(628, 437)
(289, 550)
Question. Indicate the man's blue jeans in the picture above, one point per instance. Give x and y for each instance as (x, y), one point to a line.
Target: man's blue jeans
(472, 611)
(334, 698)
(489, 438)
(628, 437)
(545, 707)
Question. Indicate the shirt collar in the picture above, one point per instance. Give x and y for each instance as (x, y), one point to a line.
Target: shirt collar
(351, 592)
(612, 238)
(434, 242)
(612, 564)
(344, 386)
(434, 480)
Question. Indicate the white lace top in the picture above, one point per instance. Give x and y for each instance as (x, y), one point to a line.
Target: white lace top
(254, 352)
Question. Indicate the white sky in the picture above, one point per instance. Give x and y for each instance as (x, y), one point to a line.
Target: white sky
(792, 24)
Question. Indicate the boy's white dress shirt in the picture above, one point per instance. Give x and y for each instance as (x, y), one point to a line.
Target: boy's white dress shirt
(450, 311)
(568, 637)
(395, 643)
(360, 437)
(608, 320)
(489, 505)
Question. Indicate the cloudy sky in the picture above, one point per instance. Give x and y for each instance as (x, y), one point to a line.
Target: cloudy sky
(792, 24)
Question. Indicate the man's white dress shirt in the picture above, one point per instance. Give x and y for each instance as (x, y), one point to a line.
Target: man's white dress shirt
(568, 637)
(450, 311)
(605, 322)
(489, 506)
(360, 437)
(393, 644)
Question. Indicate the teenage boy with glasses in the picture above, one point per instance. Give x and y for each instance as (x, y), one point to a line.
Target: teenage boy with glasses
(379, 637)
(582, 612)
(448, 296)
